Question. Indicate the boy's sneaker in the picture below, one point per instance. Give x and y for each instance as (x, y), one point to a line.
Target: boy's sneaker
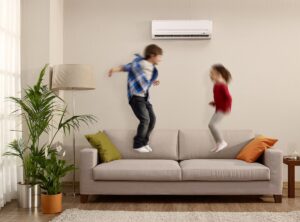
(221, 146)
(148, 148)
(142, 149)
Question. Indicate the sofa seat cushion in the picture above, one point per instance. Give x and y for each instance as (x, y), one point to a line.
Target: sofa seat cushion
(223, 170)
(138, 170)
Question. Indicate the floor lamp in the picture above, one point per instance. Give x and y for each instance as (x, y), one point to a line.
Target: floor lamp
(72, 77)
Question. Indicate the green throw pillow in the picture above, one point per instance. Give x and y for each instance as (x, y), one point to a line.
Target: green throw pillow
(107, 150)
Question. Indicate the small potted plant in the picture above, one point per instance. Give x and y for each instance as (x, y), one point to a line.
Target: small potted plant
(54, 168)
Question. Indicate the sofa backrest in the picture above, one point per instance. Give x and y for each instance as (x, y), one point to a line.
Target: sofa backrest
(196, 144)
(163, 142)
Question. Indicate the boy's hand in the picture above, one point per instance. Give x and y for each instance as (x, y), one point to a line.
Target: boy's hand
(156, 82)
(110, 72)
(115, 69)
(212, 103)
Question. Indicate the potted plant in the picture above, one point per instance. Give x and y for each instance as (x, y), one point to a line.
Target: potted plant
(40, 108)
(34, 116)
(28, 189)
(54, 168)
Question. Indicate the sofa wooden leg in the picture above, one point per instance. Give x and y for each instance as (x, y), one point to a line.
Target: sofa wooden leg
(84, 198)
(278, 198)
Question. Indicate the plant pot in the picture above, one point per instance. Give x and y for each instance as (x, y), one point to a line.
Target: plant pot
(36, 195)
(51, 204)
(28, 195)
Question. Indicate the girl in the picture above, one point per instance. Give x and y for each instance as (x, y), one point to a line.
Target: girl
(222, 102)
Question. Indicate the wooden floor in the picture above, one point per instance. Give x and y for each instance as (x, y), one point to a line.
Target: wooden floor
(158, 203)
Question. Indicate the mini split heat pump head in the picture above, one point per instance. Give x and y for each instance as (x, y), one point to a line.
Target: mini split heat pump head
(181, 29)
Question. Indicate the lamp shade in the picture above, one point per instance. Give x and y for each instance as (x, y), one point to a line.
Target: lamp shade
(72, 77)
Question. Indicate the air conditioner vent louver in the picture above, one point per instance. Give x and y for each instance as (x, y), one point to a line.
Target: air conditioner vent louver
(181, 29)
(203, 35)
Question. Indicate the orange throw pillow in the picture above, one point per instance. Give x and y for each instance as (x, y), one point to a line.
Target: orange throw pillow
(253, 150)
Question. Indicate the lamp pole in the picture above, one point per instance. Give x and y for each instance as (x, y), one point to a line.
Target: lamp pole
(74, 143)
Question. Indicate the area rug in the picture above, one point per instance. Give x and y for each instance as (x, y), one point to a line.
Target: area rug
(77, 215)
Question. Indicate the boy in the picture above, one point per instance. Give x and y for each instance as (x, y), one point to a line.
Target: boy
(142, 73)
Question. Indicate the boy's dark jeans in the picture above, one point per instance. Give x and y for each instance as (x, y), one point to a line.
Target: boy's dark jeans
(144, 112)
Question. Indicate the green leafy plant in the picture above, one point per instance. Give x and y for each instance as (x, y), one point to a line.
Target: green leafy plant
(40, 107)
(54, 169)
(18, 149)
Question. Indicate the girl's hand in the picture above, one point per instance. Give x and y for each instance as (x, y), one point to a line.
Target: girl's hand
(212, 103)
(156, 82)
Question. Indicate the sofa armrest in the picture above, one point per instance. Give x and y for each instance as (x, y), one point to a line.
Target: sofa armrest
(273, 160)
(88, 160)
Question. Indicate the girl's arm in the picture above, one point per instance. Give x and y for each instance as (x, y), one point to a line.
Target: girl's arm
(226, 93)
(212, 103)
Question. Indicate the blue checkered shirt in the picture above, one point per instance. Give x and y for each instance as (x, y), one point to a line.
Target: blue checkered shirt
(137, 81)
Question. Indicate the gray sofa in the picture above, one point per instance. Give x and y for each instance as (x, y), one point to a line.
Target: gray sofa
(181, 164)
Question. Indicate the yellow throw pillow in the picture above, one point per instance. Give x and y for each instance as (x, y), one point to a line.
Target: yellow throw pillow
(253, 150)
(107, 150)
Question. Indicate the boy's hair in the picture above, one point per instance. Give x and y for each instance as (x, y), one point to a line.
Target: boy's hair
(223, 72)
(152, 50)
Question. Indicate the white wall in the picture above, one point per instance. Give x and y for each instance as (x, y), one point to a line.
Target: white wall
(34, 41)
(34, 38)
(41, 40)
(258, 40)
(56, 19)
(56, 48)
(41, 37)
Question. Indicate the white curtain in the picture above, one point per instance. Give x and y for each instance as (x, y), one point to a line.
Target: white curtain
(9, 86)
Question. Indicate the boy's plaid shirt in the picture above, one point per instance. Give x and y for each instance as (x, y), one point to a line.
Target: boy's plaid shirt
(137, 81)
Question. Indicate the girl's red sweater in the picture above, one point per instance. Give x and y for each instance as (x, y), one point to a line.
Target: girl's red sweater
(222, 97)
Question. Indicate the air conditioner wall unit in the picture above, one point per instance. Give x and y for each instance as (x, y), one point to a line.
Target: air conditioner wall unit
(181, 29)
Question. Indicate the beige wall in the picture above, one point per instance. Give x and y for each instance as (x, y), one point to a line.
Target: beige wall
(41, 36)
(257, 39)
(34, 38)
(56, 19)
(34, 42)
(41, 40)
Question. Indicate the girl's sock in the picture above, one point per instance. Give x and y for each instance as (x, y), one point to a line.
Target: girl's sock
(221, 146)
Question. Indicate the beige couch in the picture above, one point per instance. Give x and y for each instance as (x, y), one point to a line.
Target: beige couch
(181, 164)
